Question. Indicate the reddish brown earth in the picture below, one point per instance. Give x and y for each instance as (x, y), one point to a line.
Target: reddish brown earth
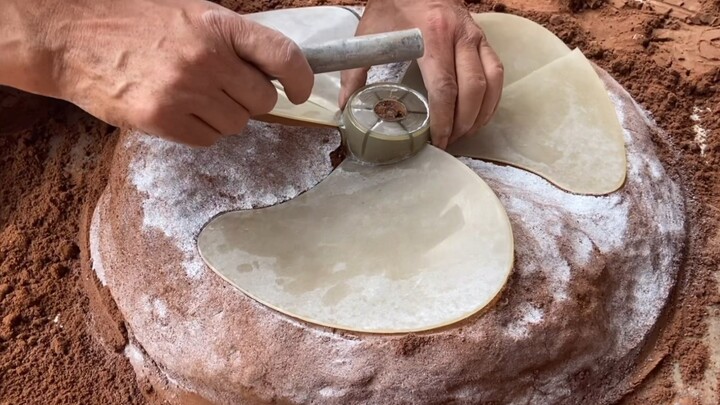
(54, 161)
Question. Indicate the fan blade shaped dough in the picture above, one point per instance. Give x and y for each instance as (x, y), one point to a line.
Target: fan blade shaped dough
(559, 123)
(384, 249)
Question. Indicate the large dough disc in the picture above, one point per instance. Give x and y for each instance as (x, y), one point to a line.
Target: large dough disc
(400, 248)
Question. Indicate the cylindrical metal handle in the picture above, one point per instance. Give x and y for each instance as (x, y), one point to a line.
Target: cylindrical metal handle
(365, 51)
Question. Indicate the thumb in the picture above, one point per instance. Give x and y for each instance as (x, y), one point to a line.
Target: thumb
(350, 81)
(268, 50)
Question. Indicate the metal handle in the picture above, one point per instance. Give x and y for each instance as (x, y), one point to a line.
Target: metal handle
(365, 51)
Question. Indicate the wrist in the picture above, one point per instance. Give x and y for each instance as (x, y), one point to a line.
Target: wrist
(31, 45)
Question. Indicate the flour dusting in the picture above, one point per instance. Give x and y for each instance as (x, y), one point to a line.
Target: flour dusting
(173, 206)
(531, 315)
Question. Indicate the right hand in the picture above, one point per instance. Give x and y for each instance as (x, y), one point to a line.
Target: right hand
(187, 70)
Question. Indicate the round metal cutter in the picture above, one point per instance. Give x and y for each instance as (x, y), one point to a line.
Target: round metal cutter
(385, 123)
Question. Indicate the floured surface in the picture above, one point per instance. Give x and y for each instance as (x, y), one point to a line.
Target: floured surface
(407, 247)
(591, 276)
(557, 122)
(87, 373)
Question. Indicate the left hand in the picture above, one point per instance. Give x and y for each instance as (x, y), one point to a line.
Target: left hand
(463, 75)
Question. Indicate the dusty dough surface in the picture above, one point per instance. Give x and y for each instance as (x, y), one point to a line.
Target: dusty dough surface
(61, 341)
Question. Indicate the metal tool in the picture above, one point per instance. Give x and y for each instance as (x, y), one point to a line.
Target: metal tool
(385, 123)
(365, 50)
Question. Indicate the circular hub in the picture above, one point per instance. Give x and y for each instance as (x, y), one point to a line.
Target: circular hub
(385, 123)
(391, 110)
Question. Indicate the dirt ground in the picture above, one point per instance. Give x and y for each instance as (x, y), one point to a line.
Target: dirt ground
(54, 160)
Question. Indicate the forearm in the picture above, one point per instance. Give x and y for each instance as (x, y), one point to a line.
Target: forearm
(28, 50)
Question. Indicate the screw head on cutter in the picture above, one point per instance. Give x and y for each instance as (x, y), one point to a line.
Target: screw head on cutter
(385, 123)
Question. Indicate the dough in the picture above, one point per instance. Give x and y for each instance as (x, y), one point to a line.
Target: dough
(401, 248)
(557, 122)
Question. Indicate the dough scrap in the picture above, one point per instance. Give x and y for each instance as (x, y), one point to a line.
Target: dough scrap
(392, 249)
(559, 123)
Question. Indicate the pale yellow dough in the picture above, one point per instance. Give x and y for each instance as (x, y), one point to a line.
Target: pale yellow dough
(407, 247)
(557, 122)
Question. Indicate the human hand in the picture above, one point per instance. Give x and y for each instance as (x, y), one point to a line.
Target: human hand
(462, 73)
(187, 70)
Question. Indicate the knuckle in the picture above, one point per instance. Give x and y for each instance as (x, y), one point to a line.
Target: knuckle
(472, 37)
(477, 82)
(199, 54)
(289, 54)
(497, 71)
(446, 85)
(438, 23)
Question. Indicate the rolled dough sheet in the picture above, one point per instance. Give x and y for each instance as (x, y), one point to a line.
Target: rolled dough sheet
(392, 249)
(559, 123)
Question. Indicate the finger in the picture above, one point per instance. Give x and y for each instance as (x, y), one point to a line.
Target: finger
(275, 55)
(438, 71)
(224, 114)
(188, 129)
(249, 88)
(174, 121)
(495, 77)
(350, 81)
(471, 86)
